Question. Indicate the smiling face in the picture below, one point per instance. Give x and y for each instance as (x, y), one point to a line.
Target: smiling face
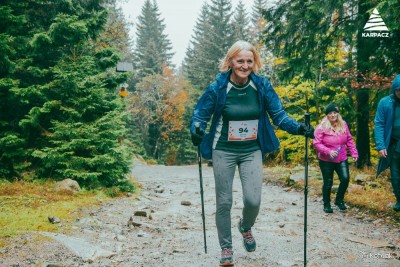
(332, 116)
(242, 66)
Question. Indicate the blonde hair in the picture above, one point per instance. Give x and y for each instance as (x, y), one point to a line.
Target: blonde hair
(338, 127)
(236, 48)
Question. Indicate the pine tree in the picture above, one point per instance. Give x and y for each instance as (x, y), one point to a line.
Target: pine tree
(153, 49)
(240, 23)
(256, 14)
(12, 152)
(67, 116)
(85, 120)
(116, 31)
(195, 58)
(256, 31)
(212, 38)
(220, 35)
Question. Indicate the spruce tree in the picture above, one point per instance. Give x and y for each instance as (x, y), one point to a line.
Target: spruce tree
(116, 31)
(196, 58)
(12, 34)
(68, 117)
(153, 48)
(257, 8)
(240, 23)
(213, 37)
(257, 18)
(256, 31)
(220, 35)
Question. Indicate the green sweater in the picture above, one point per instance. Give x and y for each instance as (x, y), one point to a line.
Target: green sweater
(241, 105)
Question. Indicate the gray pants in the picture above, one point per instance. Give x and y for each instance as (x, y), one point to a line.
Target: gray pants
(251, 175)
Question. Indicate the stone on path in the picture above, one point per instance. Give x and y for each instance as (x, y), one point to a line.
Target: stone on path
(140, 213)
(185, 203)
(54, 219)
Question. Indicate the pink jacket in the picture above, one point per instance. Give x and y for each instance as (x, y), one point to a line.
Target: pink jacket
(327, 140)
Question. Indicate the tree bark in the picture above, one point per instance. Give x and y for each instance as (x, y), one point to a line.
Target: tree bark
(363, 137)
(362, 95)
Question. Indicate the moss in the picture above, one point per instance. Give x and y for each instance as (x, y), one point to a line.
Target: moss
(26, 206)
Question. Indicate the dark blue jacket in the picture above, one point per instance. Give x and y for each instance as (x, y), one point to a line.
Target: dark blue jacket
(212, 103)
(383, 125)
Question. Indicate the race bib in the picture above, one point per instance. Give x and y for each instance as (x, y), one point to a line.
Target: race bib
(243, 130)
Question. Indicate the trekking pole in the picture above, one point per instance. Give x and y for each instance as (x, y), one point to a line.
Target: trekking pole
(197, 126)
(307, 122)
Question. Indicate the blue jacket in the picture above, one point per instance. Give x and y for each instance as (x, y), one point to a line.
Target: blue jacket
(383, 124)
(212, 102)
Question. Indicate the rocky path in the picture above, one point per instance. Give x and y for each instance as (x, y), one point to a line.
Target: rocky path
(163, 227)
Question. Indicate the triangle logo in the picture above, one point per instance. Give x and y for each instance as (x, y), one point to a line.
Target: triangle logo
(375, 22)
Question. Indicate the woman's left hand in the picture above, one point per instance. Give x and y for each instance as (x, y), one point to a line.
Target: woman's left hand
(355, 159)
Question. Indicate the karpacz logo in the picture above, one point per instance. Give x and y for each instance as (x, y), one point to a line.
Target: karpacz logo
(375, 26)
(375, 34)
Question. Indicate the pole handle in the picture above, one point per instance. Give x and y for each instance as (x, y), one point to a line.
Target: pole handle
(307, 119)
(197, 127)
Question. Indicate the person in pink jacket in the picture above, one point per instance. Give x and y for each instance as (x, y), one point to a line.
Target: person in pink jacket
(332, 140)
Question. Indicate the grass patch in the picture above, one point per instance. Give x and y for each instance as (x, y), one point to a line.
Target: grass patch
(26, 206)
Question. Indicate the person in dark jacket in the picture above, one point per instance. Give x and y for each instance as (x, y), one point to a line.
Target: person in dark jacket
(387, 136)
(240, 104)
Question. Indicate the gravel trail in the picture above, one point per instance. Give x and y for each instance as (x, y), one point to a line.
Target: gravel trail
(162, 226)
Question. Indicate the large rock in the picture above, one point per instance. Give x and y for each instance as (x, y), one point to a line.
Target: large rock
(67, 185)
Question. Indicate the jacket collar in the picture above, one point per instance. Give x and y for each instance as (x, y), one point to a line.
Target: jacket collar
(255, 78)
(223, 78)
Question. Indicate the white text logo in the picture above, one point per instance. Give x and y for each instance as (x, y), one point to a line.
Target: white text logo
(375, 26)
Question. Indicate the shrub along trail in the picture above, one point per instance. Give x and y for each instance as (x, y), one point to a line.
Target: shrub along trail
(162, 226)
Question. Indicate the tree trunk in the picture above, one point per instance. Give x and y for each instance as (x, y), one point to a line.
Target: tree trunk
(362, 95)
(363, 138)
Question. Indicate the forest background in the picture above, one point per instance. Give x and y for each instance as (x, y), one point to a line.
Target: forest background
(68, 111)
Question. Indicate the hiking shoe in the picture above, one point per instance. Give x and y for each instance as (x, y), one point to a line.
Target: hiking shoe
(226, 257)
(341, 205)
(248, 239)
(396, 206)
(328, 209)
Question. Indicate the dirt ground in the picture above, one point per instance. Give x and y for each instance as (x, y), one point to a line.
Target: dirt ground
(162, 226)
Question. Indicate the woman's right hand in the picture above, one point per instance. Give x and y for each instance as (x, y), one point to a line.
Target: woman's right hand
(382, 153)
(333, 153)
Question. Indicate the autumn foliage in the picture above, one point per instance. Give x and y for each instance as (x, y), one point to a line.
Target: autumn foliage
(158, 105)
